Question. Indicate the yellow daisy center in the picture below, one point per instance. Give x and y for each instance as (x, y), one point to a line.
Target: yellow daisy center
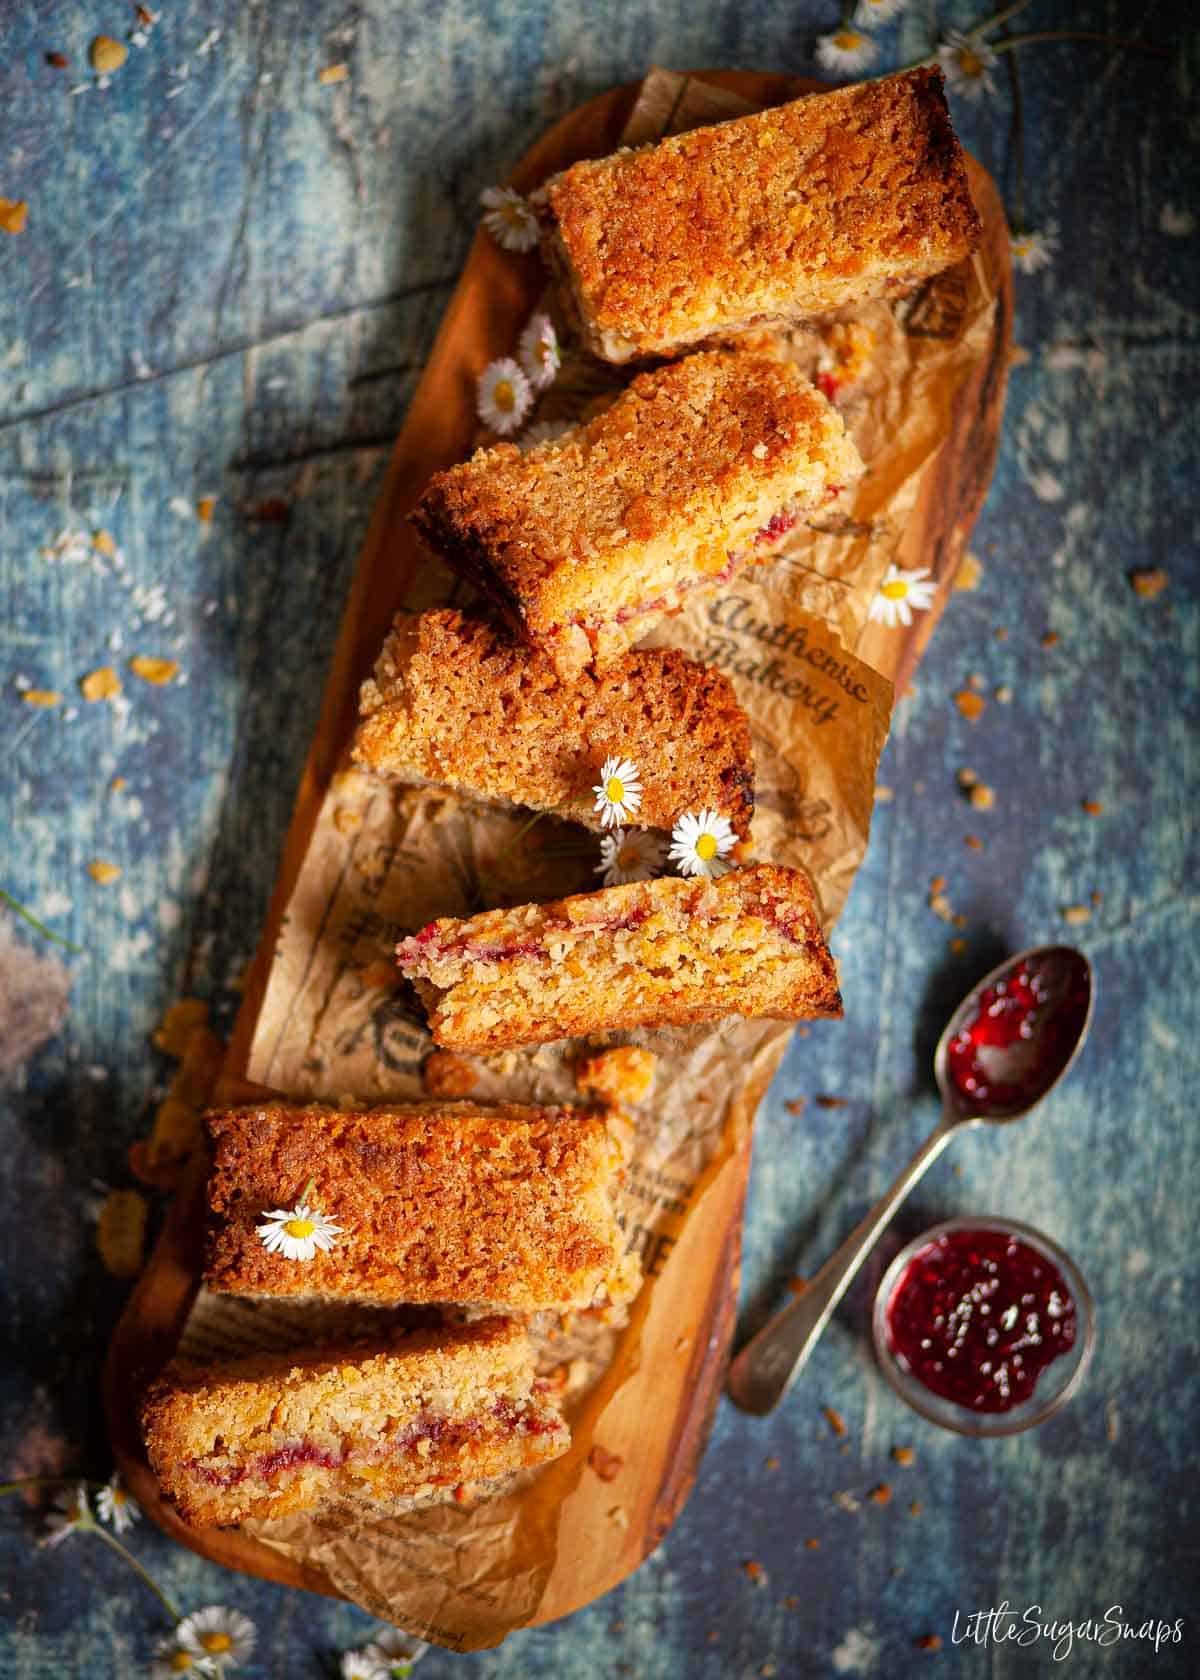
(118, 1496)
(181, 1662)
(848, 40)
(504, 396)
(218, 1642)
(513, 214)
(294, 1228)
(706, 848)
(970, 62)
(627, 857)
(614, 790)
(895, 590)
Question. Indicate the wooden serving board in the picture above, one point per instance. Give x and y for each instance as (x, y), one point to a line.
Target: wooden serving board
(670, 1430)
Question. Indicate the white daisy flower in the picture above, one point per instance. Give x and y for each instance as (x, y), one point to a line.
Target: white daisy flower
(361, 1665)
(171, 1660)
(1035, 250)
(901, 594)
(699, 843)
(618, 792)
(297, 1233)
(542, 431)
(639, 856)
(225, 1636)
(503, 397)
(70, 1511)
(509, 219)
(877, 11)
(115, 1505)
(846, 50)
(967, 63)
(397, 1652)
(538, 352)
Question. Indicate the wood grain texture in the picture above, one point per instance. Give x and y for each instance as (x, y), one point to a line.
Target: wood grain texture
(494, 295)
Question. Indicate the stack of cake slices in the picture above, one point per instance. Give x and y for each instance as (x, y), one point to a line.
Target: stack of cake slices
(698, 469)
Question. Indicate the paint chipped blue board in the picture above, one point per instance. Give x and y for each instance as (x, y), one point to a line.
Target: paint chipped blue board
(227, 282)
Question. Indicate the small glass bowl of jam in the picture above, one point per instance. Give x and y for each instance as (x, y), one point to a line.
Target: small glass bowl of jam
(984, 1326)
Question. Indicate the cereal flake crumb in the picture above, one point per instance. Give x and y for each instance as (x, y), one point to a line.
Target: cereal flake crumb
(151, 670)
(754, 1569)
(982, 797)
(100, 684)
(881, 1494)
(969, 573)
(970, 704)
(444, 1074)
(1075, 915)
(623, 1075)
(904, 1456)
(121, 1232)
(42, 697)
(103, 872)
(106, 55)
(1148, 581)
(1093, 807)
(834, 1419)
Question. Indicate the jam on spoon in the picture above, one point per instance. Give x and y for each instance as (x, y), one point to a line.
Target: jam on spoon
(1013, 1041)
(976, 1316)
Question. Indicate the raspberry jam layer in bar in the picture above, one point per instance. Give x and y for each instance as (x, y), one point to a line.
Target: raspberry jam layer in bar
(585, 542)
(653, 953)
(280, 1432)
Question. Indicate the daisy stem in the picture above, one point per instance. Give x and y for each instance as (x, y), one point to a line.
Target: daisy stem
(122, 1552)
(23, 1482)
(996, 19)
(519, 836)
(847, 12)
(28, 916)
(1011, 42)
(1016, 140)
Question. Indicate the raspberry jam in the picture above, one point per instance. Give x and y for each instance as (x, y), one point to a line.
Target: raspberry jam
(1019, 1035)
(976, 1316)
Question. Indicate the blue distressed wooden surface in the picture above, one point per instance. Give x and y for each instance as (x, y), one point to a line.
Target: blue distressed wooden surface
(227, 286)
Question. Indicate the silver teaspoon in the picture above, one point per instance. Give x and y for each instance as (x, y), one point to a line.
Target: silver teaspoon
(989, 1067)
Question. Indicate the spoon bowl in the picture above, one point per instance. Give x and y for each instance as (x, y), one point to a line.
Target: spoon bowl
(1006, 1046)
(1015, 1034)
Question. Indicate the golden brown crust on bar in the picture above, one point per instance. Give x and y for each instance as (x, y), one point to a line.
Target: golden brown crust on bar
(455, 701)
(788, 213)
(660, 953)
(278, 1432)
(585, 542)
(502, 1206)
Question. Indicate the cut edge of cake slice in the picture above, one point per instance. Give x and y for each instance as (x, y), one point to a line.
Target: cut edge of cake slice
(272, 1433)
(669, 952)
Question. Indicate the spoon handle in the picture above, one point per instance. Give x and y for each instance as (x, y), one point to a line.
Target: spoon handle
(767, 1366)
